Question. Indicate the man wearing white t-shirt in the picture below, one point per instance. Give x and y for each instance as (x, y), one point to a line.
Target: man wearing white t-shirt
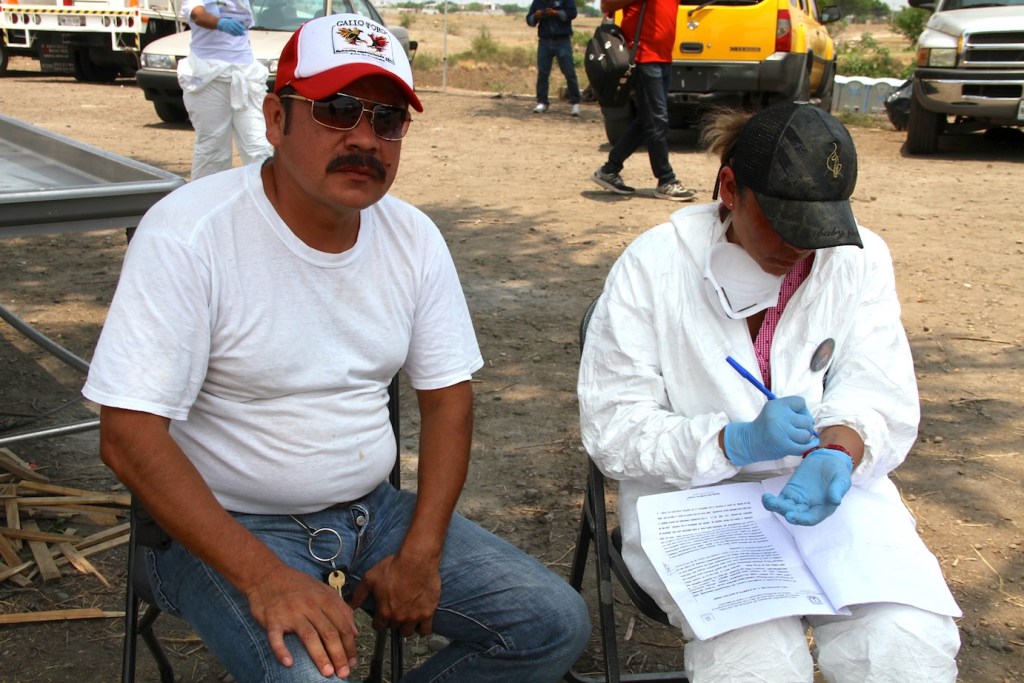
(243, 374)
(223, 86)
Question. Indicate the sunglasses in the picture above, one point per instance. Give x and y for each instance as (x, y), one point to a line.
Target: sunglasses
(342, 112)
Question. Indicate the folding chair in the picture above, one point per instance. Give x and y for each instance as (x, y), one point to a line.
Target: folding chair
(608, 560)
(145, 533)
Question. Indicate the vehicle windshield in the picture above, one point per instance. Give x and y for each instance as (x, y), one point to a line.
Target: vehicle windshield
(288, 15)
(971, 4)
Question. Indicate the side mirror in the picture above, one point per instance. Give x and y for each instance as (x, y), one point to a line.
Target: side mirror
(831, 14)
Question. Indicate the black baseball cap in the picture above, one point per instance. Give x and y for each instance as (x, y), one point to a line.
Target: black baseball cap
(801, 164)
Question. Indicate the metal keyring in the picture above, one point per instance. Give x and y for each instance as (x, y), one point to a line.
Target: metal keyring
(312, 537)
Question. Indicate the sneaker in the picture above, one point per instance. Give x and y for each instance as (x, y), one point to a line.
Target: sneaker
(575, 110)
(540, 108)
(611, 182)
(674, 191)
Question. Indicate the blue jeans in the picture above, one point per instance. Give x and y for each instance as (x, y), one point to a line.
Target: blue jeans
(650, 126)
(549, 49)
(508, 617)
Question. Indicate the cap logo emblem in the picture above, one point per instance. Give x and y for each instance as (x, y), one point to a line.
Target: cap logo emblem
(354, 37)
(833, 164)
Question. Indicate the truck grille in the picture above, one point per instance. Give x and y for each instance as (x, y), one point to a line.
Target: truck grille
(1000, 50)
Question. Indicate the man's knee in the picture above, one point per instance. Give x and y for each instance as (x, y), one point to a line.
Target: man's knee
(559, 623)
(302, 669)
(570, 617)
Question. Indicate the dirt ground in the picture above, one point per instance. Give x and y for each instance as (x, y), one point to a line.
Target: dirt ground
(533, 239)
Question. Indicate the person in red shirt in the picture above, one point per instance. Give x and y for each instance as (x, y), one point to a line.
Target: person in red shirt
(651, 80)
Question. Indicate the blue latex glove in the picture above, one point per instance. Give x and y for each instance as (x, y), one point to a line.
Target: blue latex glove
(784, 427)
(815, 490)
(231, 26)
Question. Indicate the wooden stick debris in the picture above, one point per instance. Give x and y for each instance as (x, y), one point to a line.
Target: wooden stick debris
(58, 615)
(79, 562)
(15, 465)
(26, 496)
(44, 560)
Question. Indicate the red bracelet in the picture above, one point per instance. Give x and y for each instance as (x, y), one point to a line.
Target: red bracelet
(831, 446)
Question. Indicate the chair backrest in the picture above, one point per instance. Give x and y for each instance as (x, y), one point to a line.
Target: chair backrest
(585, 321)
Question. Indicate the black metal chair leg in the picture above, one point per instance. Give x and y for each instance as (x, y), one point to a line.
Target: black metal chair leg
(146, 631)
(131, 626)
(608, 561)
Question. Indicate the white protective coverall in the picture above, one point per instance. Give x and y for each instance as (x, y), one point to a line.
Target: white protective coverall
(655, 391)
(223, 88)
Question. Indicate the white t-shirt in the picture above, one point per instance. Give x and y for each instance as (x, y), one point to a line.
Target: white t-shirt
(213, 43)
(273, 359)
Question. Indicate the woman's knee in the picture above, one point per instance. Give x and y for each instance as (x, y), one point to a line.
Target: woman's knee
(774, 650)
(888, 642)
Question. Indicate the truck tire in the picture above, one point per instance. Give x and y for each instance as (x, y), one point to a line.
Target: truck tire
(4, 57)
(87, 71)
(617, 120)
(171, 112)
(923, 129)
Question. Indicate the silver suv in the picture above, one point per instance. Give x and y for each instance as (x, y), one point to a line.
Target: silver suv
(276, 20)
(970, 66)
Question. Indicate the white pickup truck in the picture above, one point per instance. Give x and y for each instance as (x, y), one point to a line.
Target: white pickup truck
(970, 66)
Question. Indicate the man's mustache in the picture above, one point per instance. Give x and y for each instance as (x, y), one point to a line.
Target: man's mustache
(359, 161)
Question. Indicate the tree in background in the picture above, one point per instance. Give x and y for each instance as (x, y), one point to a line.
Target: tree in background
(863, 9)
(909, 22)
(867, 57)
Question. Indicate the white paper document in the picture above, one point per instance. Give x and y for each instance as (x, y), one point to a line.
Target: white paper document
(728, 562)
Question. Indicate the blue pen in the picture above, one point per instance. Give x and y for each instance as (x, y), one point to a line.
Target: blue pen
(750, 378)
(753, 380)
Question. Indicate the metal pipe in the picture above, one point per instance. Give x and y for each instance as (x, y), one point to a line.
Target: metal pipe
(47, 344)
(75, 428)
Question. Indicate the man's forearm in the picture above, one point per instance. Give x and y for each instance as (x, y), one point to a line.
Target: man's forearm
(445, 439)
(204, 19)
(138, 448)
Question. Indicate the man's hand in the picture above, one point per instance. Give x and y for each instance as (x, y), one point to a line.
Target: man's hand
(610, 7)
(406, 595)
(288, 601)
(784, 427)
(815, 489)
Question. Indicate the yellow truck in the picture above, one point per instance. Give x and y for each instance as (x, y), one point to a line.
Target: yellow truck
(744, 52)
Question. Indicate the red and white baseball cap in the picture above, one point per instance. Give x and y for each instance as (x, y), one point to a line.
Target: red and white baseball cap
(329, 53)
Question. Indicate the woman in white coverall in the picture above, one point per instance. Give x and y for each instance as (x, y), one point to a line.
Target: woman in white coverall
(223, 86)
(778, 275)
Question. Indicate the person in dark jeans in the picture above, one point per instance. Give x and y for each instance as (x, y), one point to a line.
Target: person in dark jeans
(651, 80)
(553, 19)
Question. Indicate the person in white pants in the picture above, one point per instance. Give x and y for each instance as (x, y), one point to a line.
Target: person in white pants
(223, 86)
(778, 276)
